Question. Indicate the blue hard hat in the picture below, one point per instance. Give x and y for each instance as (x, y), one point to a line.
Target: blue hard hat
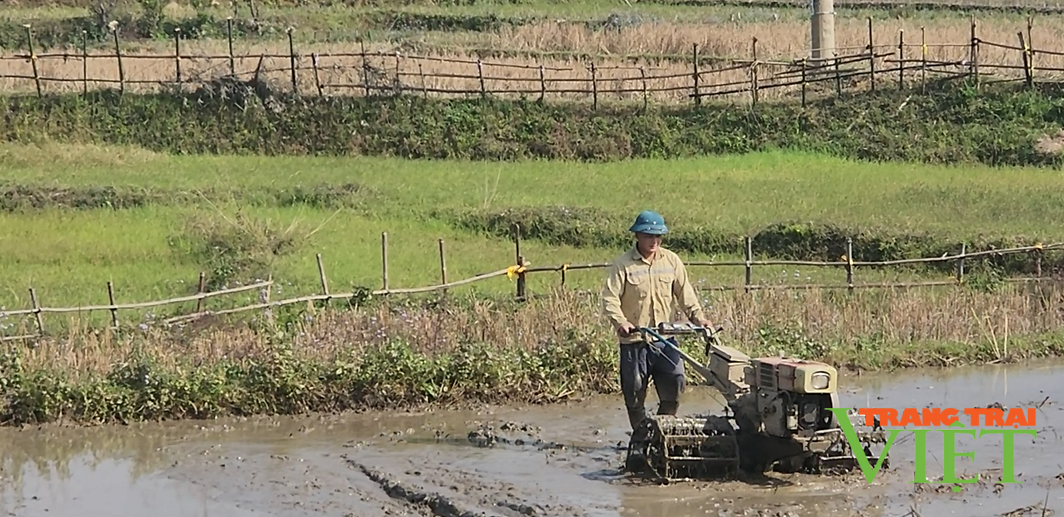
(649, 222)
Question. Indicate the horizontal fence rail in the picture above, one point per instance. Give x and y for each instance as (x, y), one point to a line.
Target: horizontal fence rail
(912, 61)
(519, 271)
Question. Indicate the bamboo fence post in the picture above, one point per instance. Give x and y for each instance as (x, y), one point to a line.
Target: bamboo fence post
(443, 264)
(323, 279)
(33, 59)
(365, 66)
(1030, 45)
(384, 259)
(480, 77)
(268, 310)
(753, 75)
(229, 39)
(398, 75)
(118, 57)
(85, 62)
(749, 252)
(317, 78)
(871, 55)
(292, 60)
(111, 300)
(594, 87)
(542, 84)
(849, 264)
(694, 65)
(177, 53)
(960, 263)
(424, 87)
(37, 312)
(923, 60)
(973, 54)
(520, 261)
(202, 286)
(901, 59)
(1038, 260)
(838, 76)
(1024, 55)
(646, 95)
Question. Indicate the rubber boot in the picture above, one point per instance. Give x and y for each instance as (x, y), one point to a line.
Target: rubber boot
(635, 416)
(668, 408)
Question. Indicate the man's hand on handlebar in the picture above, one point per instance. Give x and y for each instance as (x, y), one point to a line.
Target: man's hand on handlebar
(626, 329)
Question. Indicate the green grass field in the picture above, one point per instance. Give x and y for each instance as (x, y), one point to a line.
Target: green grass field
(68, 255)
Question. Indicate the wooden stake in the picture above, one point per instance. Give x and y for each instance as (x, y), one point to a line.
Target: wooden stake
(200, 290)
(33, 59)
(901, 59)
(229, 38)
(292, 60)
(594, 87)
(365, 66)
(480, 76)
(85, 61)
(37, 312)
(118, 57)
(646, 95)
(317, 78)
(960, 263)
(443, 264)
(321, 276)
(111, 300)
(749, 266)
(753, 76)
(542, 84)
(384, 259)
(849, 263)
(871, 54)
(177, 53)
(694, 63)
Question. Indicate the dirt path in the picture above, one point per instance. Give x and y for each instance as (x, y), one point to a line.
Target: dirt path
(513, 462)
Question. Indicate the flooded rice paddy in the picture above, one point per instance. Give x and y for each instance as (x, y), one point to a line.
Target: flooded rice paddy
(556, 460)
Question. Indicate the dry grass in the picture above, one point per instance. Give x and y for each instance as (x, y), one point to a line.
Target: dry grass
(862, 328)
(446, 69)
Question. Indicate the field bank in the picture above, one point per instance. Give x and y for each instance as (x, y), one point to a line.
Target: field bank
(155, 220)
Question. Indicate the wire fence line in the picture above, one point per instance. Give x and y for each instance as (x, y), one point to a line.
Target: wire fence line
(517, 272)
(910, 63)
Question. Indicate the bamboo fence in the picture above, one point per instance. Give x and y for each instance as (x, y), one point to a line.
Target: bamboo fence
(1037, 6)
(911, 63)
(519, 272)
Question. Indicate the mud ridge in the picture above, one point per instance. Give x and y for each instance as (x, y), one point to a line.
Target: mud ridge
(438, 504)
(485, 435)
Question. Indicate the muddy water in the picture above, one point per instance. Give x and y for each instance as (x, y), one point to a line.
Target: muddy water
(560, 460)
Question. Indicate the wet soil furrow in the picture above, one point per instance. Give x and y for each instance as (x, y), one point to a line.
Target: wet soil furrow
(439, 505)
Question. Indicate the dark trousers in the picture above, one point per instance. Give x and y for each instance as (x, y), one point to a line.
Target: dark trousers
(640, 364)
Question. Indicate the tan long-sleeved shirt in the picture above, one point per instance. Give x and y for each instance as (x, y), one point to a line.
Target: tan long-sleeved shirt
(641, 291)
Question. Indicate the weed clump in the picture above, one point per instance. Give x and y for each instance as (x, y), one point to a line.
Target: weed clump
(236, 249)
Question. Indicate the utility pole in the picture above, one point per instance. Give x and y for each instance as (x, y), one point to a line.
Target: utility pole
(822, 42)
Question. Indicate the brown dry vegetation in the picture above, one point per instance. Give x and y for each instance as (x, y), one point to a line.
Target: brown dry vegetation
(866, 328)
(453, 70)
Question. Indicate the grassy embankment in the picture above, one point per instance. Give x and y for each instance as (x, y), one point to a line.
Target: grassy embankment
(521, 34)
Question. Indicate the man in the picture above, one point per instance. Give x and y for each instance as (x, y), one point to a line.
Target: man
(639, 291)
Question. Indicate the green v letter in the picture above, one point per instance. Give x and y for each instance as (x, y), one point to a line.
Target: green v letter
(857, 448)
